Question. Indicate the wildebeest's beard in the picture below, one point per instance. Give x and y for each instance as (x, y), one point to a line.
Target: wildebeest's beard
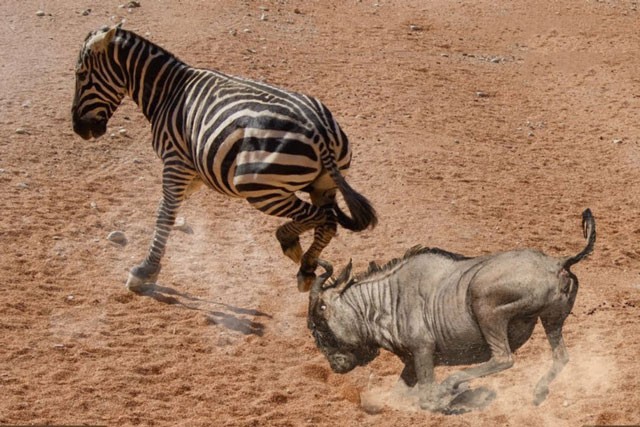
(342, 357)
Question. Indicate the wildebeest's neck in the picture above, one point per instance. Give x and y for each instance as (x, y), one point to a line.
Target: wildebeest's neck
(374, 303)
(150, 73)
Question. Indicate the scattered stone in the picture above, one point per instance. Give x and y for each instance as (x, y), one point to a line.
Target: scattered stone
(181, 225)
(137, 161)
(496, 60)
(112, 135)
(413, 27)
(530, 134)
(86, 12)
(40, 13)
(246, 30)
(93, 205)
(617, 141)
(233, 32)
(22, 185)
(122, 132)
(117, 237)
(263, 17)
(22, 131)
(70, 297)
(59, 346)
(481, 94)
(26, 104)
(57, 237)
(566, 403)
(297, 11)
(132, 4)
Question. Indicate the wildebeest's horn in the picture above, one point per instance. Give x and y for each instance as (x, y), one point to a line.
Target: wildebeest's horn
(344, 277)
(317, 284)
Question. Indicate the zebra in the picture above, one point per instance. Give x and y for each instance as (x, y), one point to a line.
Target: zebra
(242, 138)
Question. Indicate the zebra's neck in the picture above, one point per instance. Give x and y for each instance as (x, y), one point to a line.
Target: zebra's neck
(150, 73)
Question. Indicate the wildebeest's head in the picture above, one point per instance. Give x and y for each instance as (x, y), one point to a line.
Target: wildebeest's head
(335, 325)
(99, 84)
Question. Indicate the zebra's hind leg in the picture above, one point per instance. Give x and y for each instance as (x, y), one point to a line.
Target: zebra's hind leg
(321, 238)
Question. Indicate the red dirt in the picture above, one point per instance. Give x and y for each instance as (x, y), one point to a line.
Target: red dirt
(224, 340)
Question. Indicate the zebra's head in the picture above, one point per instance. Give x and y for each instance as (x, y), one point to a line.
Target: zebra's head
(100, 85)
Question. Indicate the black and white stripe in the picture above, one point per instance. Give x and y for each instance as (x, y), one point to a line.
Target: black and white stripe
(240, 137)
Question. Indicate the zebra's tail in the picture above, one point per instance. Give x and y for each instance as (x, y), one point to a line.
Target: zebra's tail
(363, 214)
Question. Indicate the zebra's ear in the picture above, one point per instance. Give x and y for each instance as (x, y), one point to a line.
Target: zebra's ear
(101, 40)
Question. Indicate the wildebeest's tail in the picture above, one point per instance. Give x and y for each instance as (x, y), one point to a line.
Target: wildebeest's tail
(363, 214)
(589, 231)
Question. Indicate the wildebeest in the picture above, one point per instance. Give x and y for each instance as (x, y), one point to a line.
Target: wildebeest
(433, 307)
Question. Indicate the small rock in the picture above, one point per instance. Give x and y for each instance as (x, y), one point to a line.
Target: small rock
(263, 17)
(40, 13)
(415, 27)
(93, 205)
(59, 346)
(297, 11)
(26, 104)
(246, 30)
(617, 141)
(530, 134)
(86, 12)
(496, 60)
(57, 237)
(122, 132)
(117, 237)
(132, 4)
(22, 131)
(22, 185)
(112, 135)
(137, 161)
(70, 297)
(481, 94)
(566, 403)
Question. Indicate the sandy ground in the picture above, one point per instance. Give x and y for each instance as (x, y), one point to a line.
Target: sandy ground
(487, 126)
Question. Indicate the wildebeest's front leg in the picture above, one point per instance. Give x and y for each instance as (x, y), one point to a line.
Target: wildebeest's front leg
(176, 186)
(430, 392)
(553, 329)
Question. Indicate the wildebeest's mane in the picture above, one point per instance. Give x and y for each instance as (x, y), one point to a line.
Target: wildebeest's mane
(376, 269)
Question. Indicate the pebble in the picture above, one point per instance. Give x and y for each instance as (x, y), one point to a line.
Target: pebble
(22, 131)
(617, 141)
(86, 12)
(40, 13)
(481, 94)
(415, 27)
(93, 205)
(122, 132)
(117, 237)
(22, 185)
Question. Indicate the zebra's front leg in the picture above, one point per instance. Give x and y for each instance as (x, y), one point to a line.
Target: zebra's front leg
(147, 272)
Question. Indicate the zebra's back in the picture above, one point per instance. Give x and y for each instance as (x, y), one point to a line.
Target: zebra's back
(247, 137)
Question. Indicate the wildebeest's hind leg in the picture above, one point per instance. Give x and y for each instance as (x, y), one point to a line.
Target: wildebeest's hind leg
(553, 329)
(493, 322)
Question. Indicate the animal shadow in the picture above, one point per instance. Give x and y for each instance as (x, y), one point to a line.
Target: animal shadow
(230, 317)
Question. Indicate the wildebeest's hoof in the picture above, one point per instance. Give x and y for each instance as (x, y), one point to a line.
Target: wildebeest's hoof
(305, 280)
(471, 399)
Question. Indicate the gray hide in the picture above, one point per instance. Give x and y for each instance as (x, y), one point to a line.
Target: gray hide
(433, 307)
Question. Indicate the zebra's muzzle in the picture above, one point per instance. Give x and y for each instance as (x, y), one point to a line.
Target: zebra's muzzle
(90, 128)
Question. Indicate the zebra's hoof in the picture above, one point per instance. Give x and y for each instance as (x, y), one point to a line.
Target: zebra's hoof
(305, 280)
(140, 280)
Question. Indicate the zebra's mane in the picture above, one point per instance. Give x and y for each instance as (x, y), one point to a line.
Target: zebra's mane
(127, 34)
(376, 271)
